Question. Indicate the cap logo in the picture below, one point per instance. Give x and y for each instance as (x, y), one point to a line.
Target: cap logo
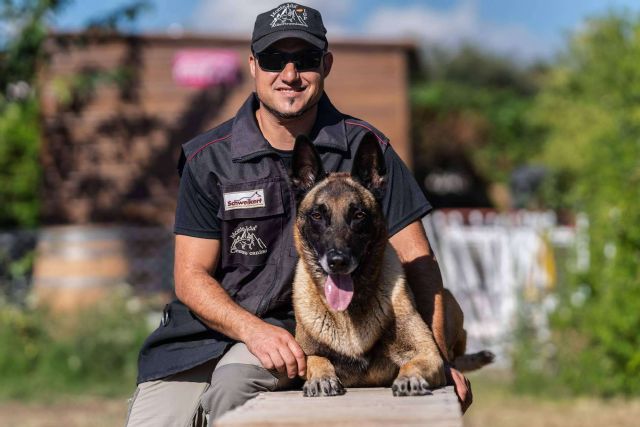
(289, 14)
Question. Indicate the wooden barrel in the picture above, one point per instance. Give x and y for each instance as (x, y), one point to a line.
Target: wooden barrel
(77, 266)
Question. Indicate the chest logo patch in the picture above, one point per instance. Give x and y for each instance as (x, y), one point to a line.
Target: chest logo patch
(244, 199)
(246, 242)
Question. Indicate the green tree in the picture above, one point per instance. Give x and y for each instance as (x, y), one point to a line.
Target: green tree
(475, 105)
(590, 106)
(23, 30)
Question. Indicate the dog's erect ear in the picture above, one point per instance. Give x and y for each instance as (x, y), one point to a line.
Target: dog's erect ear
(368, 165)
(306, 166)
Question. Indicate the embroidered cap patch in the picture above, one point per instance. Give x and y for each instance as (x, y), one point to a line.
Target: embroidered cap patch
(244, 199)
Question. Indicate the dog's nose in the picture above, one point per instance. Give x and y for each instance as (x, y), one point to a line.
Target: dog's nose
(337, 260)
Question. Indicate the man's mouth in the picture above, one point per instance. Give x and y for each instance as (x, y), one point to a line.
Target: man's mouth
(290, 90)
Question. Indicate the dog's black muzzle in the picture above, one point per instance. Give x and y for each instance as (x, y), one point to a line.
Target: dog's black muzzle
(340, 261)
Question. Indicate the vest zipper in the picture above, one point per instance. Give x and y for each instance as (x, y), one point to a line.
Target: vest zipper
(263, 305)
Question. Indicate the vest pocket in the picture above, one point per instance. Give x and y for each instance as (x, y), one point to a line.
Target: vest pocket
(252, 221)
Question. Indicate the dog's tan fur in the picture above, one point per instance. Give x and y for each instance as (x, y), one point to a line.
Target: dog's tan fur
(381, 339)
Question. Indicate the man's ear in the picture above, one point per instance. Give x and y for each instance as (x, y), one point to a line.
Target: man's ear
(306, 166)
(327, 63)
(368, 165)
(252, 65)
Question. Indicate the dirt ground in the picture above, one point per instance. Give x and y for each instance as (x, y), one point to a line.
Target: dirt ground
(494, 406)
(76, 412)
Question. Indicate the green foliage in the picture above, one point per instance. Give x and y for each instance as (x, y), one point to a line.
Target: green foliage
(19, 164)
(589, 104)
(24, 26)
(493, 96)
(94, 352)
(19, 123)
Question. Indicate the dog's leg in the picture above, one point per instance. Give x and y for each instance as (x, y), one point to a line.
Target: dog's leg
(415, 351)
(424, 368)
(321, 378)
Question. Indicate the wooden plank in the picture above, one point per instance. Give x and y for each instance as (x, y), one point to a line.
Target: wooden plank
(359, 407)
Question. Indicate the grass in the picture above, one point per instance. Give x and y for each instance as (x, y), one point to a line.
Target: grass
(496, 405)
(80, 371)
(47, 355)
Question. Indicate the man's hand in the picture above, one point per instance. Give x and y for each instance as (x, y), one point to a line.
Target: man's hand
(195, 261)
(462, 386)
(276, 349)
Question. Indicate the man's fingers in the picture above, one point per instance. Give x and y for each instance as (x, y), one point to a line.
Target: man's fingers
(278, 363)
(265, 360)
(463, 389)
(301, 358)
(290, 361)
(469, 398)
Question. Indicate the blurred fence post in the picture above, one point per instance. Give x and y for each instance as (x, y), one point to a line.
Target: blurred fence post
(494, 262)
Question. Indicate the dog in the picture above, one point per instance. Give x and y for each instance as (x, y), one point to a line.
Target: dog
(356, 317)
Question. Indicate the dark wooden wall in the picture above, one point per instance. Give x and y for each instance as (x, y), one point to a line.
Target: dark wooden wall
(110, 150)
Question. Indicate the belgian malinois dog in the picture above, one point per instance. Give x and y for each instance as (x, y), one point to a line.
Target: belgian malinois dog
(356, 316)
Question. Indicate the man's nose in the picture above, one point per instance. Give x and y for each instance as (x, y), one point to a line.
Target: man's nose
(290, 73)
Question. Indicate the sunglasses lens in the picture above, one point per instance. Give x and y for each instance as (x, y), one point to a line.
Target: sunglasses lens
(271, 61)
(276, 61)
(308, 60)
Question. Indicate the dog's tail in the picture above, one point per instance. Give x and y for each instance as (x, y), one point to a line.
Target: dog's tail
(473, 361)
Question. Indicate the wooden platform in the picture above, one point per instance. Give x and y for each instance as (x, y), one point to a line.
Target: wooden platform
(360, 407)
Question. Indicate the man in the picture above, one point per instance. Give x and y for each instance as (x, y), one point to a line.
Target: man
(230, 334)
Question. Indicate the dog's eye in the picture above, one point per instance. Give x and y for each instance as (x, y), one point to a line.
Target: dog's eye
(316, 216)
(359, 215)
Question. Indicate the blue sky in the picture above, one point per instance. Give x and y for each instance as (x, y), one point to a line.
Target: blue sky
(525, 29)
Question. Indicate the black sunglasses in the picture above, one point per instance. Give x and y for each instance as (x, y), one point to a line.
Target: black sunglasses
(276, 60)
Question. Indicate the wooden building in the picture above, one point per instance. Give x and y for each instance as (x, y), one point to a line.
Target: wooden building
(117, 108)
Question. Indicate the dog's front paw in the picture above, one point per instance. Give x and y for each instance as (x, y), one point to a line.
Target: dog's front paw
(435, 373)
(324, 386)
(410, 386)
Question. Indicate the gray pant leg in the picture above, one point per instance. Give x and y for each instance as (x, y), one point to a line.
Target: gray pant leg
(238, 377)
(172, 402)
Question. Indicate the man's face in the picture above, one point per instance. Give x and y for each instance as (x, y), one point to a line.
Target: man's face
(290, 93)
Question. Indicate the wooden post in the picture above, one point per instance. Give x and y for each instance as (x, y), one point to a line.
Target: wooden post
(359, 407)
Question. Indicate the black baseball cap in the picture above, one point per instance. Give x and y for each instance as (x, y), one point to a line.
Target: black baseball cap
(289, 20)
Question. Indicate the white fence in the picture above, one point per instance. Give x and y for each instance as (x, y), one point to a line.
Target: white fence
(494, 262)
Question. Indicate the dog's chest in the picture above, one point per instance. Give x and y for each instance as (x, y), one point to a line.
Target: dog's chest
(373, 368)
(346, 335)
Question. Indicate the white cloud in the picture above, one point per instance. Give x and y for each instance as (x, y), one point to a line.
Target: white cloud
(454, 27)
(237, 17)
(449, 28)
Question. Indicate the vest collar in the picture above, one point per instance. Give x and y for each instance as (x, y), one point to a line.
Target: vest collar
(247, 141)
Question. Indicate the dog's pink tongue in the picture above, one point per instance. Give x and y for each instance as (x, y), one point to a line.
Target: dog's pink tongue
(338, 289)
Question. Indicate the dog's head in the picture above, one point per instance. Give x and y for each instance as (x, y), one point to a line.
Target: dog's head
(339, 225)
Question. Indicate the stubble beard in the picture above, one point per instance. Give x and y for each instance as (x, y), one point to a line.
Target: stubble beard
(287, 116)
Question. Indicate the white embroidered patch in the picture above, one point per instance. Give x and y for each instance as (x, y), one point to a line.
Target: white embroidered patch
(289, 14)
(244, 199)
(245, 241)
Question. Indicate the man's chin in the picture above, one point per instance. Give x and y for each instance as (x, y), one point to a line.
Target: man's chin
(288, 112)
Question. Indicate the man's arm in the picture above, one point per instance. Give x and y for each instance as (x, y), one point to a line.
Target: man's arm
(423, 272)
(195, 262)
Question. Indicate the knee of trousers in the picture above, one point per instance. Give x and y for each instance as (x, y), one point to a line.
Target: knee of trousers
(234, 384)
